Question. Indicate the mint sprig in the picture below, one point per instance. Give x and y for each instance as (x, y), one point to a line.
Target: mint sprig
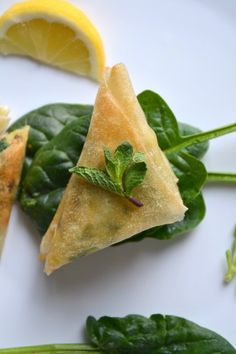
(231, 261)
(124, 171)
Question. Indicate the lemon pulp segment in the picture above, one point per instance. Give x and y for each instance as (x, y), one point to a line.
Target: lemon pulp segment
(54, 32)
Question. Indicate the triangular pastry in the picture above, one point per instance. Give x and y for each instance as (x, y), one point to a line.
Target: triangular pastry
(11, 162)
(4, 119)
(89, 218)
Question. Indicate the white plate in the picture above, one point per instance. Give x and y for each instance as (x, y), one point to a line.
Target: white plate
(186, 51)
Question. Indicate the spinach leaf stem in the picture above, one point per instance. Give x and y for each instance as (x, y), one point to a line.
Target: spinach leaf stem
(221, 177)
(52, 348)
(201, 137)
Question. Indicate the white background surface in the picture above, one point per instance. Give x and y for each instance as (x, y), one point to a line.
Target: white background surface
(186, 51)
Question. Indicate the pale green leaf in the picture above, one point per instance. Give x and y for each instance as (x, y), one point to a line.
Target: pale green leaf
(139, 157)
(98, 178)
(134, 176)
(122, 158)
(110, 165)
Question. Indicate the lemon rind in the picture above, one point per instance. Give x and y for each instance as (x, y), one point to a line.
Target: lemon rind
(68, 14)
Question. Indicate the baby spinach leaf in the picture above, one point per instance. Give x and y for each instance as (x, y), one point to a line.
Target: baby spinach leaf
(41, 208)
(46, 122)
(196, 150)
(135, 334)
(45, 181)
(193, 217)
(189, 169)
(191, 173)
(155, 335)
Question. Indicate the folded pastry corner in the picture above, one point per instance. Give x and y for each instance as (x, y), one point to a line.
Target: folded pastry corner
(12, 156)
(4, 119)
(90, 218)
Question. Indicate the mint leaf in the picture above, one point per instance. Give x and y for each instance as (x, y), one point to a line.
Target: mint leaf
(117, 164)
(110, 165)
(122, 158)
(98, 178)
(124, 170)
(3, 144)
(134, 176)
(139, 157)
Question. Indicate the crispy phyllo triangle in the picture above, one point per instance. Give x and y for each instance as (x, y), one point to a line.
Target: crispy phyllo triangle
(4, 119)
(90, 218)
(11, 162)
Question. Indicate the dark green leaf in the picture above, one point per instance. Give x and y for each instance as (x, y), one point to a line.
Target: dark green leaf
(160, 118)
(42, 208)
(3, 144)
(48, 175)
(191, 173)
(194, 215)
(197, 150)
(98, 178)
(46, 122)
(189, 170)
(158, 334)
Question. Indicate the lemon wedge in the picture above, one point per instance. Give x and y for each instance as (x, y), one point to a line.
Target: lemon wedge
(54, 32)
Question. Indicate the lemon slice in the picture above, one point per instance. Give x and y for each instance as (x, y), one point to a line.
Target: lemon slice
(4, 119)
(54, 32)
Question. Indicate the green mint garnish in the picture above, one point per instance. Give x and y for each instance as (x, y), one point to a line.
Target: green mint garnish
(3, 144)
(124, 171)
(231, 261)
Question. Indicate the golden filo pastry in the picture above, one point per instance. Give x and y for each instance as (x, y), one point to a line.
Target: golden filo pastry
(4, 119)
(89, 218)
(11, 162)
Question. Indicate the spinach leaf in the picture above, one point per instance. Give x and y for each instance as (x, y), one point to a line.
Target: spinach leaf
(190, 170)
(191, 173)
(46, 179)
(135, 334)
(163, 122)
(46, 122)
(155, 335)
(196, 150)
(193, 217)
(41, 208)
